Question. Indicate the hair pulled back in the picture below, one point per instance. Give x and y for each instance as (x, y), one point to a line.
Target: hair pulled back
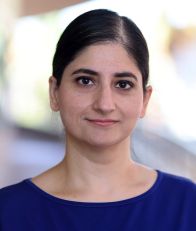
(98, 26)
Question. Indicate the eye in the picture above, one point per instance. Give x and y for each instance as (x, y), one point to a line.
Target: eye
(124, 84)
(84, 81)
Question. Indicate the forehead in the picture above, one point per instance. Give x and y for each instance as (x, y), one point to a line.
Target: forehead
(105, 57)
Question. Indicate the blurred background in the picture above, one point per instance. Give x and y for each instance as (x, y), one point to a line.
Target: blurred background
(31, 136)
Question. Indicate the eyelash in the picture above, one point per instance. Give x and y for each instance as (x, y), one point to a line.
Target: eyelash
(80, 79)
(127, 82)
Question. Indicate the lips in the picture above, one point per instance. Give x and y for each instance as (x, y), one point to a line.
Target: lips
(103, 122)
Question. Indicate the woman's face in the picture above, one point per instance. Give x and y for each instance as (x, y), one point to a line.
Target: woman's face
(100, 97)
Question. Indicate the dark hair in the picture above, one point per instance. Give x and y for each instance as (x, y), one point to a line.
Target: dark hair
(101, 26)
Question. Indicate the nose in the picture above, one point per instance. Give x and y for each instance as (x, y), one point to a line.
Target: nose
(104, 100)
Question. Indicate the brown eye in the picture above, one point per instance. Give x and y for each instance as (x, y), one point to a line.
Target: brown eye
(124, 84)
(84, 81)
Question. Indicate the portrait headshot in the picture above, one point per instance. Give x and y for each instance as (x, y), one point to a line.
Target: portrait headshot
(100, 88)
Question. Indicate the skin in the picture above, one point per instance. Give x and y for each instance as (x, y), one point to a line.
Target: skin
(100, 100)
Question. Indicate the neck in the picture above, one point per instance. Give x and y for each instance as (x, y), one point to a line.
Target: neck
(96, 167)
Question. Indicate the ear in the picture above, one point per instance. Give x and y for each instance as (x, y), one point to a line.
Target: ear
(146, 99)
(53, 93)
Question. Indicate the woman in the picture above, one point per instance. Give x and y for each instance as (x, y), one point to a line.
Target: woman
(100, 87)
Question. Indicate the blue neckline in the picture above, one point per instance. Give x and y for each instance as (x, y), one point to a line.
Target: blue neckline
(98, 204)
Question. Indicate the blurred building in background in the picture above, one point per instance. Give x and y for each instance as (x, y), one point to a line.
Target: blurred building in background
(31, 135)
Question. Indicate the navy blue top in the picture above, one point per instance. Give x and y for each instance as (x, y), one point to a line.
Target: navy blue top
(169, 205)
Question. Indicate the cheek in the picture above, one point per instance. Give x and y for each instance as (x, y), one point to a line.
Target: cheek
(132, 108)
(73, 104)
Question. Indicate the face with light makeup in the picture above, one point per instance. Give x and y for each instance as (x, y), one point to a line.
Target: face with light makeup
(101, 96)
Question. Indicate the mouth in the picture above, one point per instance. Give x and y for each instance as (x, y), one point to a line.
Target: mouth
(102, 122)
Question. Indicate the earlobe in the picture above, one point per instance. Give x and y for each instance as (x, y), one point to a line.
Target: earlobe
(53, 93)
(146, 99)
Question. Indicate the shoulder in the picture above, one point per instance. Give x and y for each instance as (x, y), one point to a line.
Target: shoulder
(15, 188)
(14, 196)
(19, 204)
(176, 182)
(176, 188)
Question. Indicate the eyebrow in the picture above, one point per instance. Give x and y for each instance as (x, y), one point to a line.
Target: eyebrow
(85, 71)
(118, 74)
(125, 74)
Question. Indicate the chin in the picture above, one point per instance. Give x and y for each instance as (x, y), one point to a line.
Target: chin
(99, 139)
(104, 142)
